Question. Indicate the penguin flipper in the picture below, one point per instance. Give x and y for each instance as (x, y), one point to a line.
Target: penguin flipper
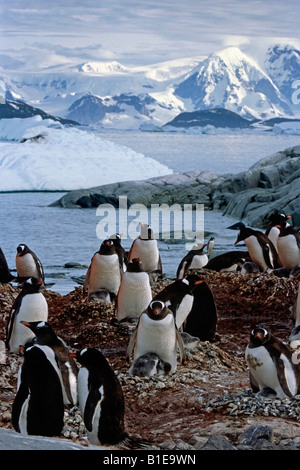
(10, 324)
(283, 375)
(131, 343)
(93, 399)
(180, 345)
(86, 279)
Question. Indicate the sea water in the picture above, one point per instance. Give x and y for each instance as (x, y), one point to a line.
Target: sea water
(61, 236)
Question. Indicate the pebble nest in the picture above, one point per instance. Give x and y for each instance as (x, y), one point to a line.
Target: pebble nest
(208, 395)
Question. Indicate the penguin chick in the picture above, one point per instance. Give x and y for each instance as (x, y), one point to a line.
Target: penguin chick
(156, 332)
(194, 259)
(101, 400)
(28, 264)
(272, 370)
(149, 364)
(38, 407)
(260, 248)
(30, 305)
(45, 335)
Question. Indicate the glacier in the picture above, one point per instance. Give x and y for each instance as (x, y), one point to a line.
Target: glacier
(43, 155)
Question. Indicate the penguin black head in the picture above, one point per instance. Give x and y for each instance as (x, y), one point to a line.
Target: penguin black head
(22, 249)
(107, 247)
(90, 358)
(32, 285)
(157, 310)
(39, 327)
(244, 233)
(135, 266)
(259, 336)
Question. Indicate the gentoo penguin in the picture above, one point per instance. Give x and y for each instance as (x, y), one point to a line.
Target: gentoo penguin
(178, 297)
(104, 272)
(101, 400)
(288, 246)
(274, 220)
(5, 274)
(194, 259)
(38, 407)
(156, 332)
(145, 247)
(121, 252)
(271, 368)
(249, 267)
(45, 336)
(28, 264)
(30, 305)
(227, 261)
(260, 248)
(202, 319)
(210, 245)
(149, 364)
(135, 293)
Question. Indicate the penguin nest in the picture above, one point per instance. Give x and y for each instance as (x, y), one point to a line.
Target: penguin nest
(178, 405)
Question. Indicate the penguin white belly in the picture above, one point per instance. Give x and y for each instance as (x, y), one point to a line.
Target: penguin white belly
(83, 392)
(265, 372)
(255, 252)
(148, 253)
(184, 309)
(289, 251)
(34, 307)
(273, 236)
(26, 266)
(105, 273)
(198, 261)
(158, 336)
(134, 295)
(23, 417)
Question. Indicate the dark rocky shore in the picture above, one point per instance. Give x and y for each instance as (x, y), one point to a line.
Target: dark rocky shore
(273, 183)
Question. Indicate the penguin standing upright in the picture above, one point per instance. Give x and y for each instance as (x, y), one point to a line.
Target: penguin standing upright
(178, 297)
(28, 264)
(276, 219)
(145, 247)
(5, 274)
(288, 246)
(260, 248)
(135, 293)
(194, 259)
(101, 400)
(271, 368)
(45, 336)
(104, 272)
(38, 407)
(156, 332)
(30, 305)
(202, 319)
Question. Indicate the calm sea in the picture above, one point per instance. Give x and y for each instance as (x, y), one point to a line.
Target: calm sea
(59, 236)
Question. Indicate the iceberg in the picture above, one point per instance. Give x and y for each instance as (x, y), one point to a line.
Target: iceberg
(44, 155)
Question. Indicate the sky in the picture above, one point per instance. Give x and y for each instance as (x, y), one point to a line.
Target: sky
(39, 34)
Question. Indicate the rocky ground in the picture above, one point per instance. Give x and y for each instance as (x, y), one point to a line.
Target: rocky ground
(207, 403)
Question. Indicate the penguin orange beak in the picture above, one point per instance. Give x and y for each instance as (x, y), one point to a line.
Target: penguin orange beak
(72, 355)
(25, 323)
(198, 282)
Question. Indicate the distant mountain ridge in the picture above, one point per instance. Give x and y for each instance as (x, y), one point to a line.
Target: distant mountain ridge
(108, 94)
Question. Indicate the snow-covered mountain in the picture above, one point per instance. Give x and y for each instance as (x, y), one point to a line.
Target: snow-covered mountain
(230, 79)
(111, 95)
(282, 64)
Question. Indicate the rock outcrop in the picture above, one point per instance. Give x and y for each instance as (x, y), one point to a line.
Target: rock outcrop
(272, 184)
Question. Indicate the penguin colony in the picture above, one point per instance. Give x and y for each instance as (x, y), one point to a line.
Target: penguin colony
(165, 325)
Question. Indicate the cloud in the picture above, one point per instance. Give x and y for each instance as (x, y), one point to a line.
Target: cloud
(138, 32)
